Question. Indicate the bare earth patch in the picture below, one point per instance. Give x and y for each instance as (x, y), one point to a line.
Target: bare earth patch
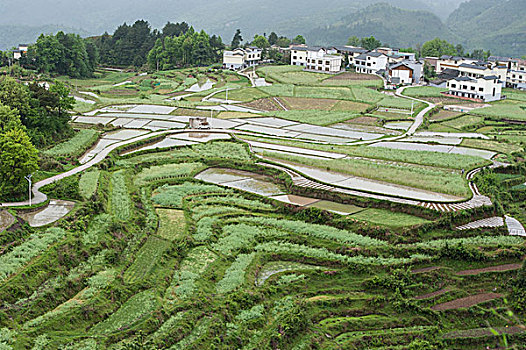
(499, 268)
(467, 301)
(443, 115)
(483, 332)
(432, 294)
(263, 104)
(352, 76)
(300, 103)
(363, 120)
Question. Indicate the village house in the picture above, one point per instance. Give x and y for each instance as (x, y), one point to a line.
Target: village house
(405, 73)
(453, 62)
(238, 59)
(477, 83)
(515, 70)
(22, 50)
(298, 55)
(316, 59)
(371, 63)
(324, 60)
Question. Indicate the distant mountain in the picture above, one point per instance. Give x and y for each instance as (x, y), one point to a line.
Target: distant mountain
(222, 17)
(12, 35)
(499, 26)
(391, 25)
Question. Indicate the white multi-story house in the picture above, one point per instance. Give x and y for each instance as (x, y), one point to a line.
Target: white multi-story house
(298, 55)
(452, 62)
(371, 63)
(405, 73)
(316, 58)
(241, 58)
(515, 70)
(486, 88)
(324, 60)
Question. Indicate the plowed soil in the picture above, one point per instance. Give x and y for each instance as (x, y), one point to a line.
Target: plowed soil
(467, 301)
(498, 268)
(481, 332)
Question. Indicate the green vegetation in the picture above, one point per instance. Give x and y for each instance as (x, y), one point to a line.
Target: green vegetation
(167, 171)
(388, 218)
(438, 180)
(120, 199)
(88, 183)
(75, 146)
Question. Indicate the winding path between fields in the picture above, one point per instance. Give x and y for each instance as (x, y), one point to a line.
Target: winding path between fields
(298, 179)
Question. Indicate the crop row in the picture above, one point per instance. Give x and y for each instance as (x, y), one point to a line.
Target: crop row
(120, 198)
(235, 274)
(192, 267)
(88, 183)
(75, 146)
(172, 196)
(314, 230)
(37, 243)
(146, 259)
(166, 171)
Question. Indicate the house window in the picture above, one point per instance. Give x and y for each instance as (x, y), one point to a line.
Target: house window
(481, 89)
(453, 85)
(294, 57)
(473, 88)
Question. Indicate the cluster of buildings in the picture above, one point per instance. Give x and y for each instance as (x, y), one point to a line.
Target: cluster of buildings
(398, 68)
(472, 79)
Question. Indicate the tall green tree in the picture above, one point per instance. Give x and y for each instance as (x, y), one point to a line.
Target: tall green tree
(353, 41)
(438, 47)
(18, 158)
(370, 43)
(273, 38)
(9, 119)
(261, 42)
(299, 39)
(237, 39)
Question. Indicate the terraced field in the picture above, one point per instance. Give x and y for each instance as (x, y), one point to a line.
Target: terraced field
(204, 244)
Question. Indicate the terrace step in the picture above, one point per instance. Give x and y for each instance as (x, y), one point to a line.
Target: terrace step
(495, 221)
(475, 202)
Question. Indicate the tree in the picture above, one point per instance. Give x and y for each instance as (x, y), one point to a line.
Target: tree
(237, 39)
(437, 48)
(273, 38)
(353, 41)
(283, 42)
(18, 158)
(65, 101)
(299, 39)
(261, 42)
(9, 119)
(370, 43)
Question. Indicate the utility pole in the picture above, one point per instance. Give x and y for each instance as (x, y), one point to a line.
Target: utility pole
(28, 178)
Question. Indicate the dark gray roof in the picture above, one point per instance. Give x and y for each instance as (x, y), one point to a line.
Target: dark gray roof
(473, 66)
(396, 65)
(299, 48)
(374, 54)
(361, 57)
(491, 77)
(464, 79)
(501, 59)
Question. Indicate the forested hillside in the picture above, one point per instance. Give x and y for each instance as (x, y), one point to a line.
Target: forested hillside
(219, 17)
(499, 26)
(391, 25)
